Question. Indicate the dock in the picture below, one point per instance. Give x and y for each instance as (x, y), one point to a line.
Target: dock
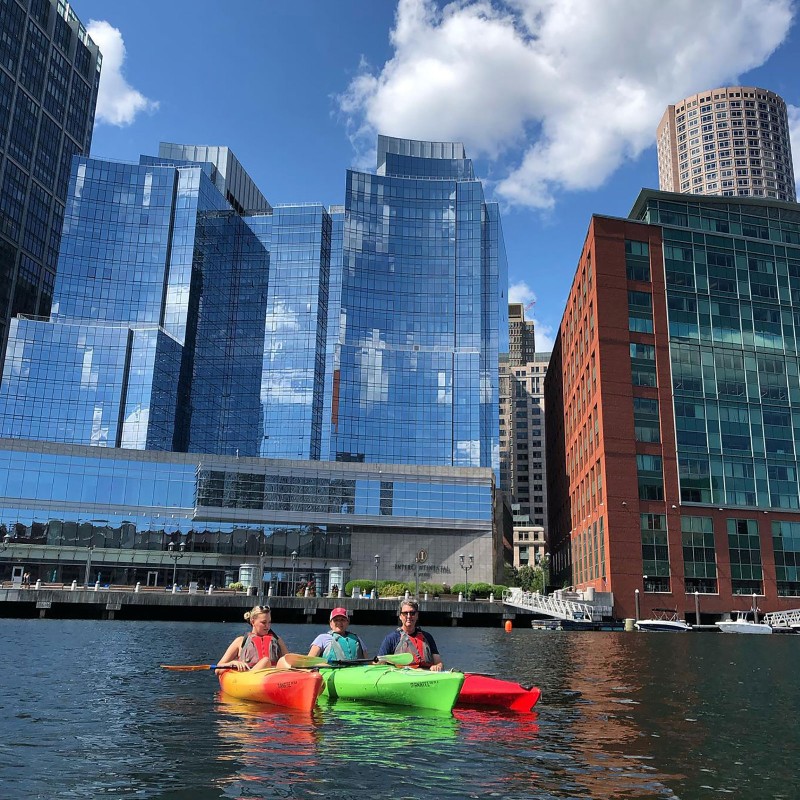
(132, 603)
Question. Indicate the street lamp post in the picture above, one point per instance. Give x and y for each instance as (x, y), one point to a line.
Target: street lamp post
(377, 563)
(88, 570)
(175, 555)
(546, 572)
(294, 562)
(466, 564)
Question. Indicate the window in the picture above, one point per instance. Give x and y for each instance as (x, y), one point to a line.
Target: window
(637, 260)
(646, 420)
(640, 312)
(649, 476)
(745, 554)
(643, 364)
(699, 555)
(786, 545)
(655, 552)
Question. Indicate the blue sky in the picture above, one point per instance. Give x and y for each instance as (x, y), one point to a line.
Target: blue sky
(557, 101)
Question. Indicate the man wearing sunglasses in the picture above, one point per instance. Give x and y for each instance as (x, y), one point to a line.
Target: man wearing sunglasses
(409, 638)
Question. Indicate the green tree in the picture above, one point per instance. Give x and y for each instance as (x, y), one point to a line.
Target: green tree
(530, 579)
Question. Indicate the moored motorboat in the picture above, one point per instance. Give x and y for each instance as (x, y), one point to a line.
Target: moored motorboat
(281, 687)
(488, 691)
(742, 625)
(663, 619)
(381, 683)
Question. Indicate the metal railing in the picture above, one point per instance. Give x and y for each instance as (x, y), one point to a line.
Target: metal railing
(783, 619)
(553, 606)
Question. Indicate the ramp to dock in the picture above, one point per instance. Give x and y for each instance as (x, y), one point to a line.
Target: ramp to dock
(783, 619)
(553, 606)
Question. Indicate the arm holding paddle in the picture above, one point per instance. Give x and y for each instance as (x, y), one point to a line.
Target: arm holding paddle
(230, 660)
(260, 648)
(409, 638)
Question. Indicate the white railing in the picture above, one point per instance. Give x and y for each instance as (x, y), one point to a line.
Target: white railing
(552, 606)
(783, 619)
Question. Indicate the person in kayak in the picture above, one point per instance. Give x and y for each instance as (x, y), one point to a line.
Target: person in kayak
(339, 644)
(258, 649)
(409, 638)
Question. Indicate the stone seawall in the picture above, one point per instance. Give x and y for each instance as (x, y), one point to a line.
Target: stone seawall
(124, 603)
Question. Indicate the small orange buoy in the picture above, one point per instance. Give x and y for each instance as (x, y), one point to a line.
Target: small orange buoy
(508, 626)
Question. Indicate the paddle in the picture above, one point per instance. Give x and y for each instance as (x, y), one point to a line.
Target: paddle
(297, 661)
(193, 667)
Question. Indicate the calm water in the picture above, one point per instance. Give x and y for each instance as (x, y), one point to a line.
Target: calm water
(87, 713)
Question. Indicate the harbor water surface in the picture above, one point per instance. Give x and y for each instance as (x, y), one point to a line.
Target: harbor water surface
(87, 712)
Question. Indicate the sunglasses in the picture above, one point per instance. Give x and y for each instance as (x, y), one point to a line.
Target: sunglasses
(408, 613)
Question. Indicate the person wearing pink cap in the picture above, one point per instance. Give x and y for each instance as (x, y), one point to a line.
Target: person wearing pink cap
(339, 644)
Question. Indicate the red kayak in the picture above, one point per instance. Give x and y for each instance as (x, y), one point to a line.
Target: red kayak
(281, 687)
(483, 690)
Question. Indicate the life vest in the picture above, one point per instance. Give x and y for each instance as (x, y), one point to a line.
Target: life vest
(417, 645)
(254, 648)
(343, 648)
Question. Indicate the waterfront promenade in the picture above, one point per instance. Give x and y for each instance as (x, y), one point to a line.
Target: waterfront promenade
(62, 601)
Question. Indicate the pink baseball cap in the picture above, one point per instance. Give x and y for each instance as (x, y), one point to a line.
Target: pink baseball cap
(339, 612)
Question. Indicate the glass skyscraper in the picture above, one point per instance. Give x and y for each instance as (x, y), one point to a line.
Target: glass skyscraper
(153, 341)
(423, 312)
(49, 75)
(191, 316)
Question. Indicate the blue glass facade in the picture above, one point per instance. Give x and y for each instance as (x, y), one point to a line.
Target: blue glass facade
(182, 322)
(154, 340)
(62, 499)
(423, 308)
(293, 374)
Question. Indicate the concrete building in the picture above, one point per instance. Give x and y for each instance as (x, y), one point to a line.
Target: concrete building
(522, 438)
(265, 343)
(672, 398)
(49, 75)
(732, 141)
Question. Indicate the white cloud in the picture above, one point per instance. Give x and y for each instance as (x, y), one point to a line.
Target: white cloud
(544, 335)
(566, 90)
(520, 292)
(118, 102)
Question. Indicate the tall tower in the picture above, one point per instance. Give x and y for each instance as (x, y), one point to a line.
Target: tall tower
(522, 435)
(49, 74)
(423, 312)
(732, 141)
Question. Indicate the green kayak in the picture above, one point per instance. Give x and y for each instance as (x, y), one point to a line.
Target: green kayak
(380, 683)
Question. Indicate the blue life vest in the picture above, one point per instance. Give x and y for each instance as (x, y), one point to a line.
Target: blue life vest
(343, 648)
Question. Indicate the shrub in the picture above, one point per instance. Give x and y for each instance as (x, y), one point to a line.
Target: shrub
(432, 588)
(480, 590)
(236, 586)
(390, 589)
(363, 585)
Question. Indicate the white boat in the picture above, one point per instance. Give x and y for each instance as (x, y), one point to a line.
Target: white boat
(663, 619)
(743, 625)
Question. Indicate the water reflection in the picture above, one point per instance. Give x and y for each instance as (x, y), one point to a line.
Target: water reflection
(87, 713)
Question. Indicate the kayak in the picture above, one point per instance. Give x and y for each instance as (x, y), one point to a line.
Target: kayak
(280, 687)
(382, 683)
(483, 690)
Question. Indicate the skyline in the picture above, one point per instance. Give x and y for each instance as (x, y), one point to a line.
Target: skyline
(298, 105)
